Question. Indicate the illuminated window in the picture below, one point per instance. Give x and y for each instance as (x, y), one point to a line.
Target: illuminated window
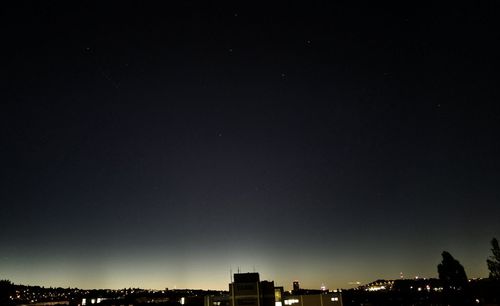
(291, 301)
(335, 299)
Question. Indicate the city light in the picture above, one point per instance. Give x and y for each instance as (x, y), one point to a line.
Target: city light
(291, 301)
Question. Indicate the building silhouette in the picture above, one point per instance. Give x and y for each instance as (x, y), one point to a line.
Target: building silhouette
(296, 287)
(248, 290)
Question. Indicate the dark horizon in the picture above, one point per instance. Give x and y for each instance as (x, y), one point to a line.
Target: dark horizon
(158, 146)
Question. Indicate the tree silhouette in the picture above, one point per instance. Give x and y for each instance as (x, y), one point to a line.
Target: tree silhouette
(451, 273)
(6, 288)
(494, 260)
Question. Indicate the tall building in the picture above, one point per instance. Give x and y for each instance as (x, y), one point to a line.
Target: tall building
(296, 287)
(248, 290)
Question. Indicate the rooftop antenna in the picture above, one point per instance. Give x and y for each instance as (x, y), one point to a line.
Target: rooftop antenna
(231, 273)
(238, 270)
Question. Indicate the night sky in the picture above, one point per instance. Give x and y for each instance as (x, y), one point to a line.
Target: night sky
(160, 146)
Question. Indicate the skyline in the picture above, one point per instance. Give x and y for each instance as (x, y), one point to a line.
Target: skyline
(153, 147)
(155, 274)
